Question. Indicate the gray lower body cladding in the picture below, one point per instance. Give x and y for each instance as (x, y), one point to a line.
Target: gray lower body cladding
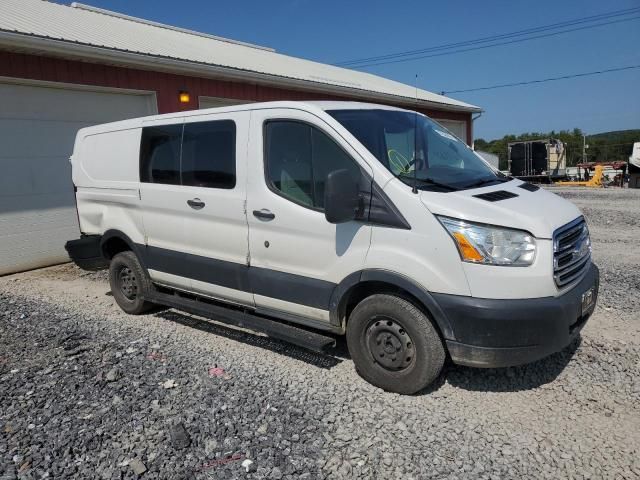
(86, 253)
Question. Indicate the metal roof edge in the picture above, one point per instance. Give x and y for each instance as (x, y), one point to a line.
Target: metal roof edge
(128, 58)
(103, 11)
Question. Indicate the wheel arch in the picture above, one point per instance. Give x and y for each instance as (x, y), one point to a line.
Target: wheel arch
(115, 241)
(364, 283)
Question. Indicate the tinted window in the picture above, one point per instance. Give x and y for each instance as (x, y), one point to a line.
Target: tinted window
(160, 154)
(328, 157)
(299, 158)
(288, 161)
(209, 154)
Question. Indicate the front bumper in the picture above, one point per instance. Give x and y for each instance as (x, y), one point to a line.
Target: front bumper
(500, 333)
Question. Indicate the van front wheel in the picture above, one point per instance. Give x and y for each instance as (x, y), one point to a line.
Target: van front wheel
(128, 282)
(394, 345)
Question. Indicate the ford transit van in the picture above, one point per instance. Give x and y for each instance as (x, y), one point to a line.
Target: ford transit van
(309, 220)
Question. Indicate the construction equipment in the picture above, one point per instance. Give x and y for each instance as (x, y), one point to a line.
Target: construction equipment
(595, 181)
(539, 161)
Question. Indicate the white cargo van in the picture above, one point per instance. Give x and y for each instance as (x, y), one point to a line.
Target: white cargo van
(307, 220)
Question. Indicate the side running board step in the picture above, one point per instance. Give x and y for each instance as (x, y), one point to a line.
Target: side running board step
(242, 318)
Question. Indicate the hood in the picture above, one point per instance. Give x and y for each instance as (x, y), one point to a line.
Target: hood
(540, 212)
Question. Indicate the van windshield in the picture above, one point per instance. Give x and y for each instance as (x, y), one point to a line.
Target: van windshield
(435, 159)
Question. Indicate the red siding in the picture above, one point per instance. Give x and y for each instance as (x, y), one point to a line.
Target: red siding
(166, 85)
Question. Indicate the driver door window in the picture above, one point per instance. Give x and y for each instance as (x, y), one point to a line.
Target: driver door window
(299, 157)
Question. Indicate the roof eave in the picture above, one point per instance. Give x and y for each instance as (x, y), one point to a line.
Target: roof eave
(81, 51)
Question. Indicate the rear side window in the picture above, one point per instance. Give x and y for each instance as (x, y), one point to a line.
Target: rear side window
(160, 154)
(209, 154)
(200, 154)
(298, 159)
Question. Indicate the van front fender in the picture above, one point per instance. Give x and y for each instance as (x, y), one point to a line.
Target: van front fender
(341, 293)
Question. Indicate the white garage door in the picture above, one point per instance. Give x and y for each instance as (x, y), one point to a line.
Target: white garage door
(458, 128)
(38, 125)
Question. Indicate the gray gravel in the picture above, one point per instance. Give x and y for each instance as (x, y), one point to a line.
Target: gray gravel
(89, 392)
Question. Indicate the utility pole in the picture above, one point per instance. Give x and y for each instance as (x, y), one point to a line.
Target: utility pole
(584, 148)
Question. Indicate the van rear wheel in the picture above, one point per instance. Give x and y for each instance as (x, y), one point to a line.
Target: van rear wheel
(394, 345)
(128, 283)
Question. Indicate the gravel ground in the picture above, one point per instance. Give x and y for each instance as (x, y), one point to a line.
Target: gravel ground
(89, 392)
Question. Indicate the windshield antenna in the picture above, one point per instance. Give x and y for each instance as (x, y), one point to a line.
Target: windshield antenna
(415, 142)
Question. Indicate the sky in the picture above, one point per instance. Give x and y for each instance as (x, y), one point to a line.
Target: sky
(331, 31)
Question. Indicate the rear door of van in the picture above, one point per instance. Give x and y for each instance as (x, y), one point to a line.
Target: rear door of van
(192, 189)
(163, 202)
(214, 172)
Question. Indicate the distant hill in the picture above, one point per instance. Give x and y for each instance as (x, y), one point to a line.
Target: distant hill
(605, 146)
(618, 136)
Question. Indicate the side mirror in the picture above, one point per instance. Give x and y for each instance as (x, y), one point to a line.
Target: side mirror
(341, 199)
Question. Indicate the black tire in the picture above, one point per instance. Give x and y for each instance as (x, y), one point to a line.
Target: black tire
(128, 283)
(394, 345)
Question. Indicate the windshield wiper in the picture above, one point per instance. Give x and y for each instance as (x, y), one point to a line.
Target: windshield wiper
(430, 182)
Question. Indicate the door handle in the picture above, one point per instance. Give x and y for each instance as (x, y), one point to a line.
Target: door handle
(196, 203)
(264, 214)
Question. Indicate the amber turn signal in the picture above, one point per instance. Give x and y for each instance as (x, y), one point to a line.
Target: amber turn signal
(467, 250)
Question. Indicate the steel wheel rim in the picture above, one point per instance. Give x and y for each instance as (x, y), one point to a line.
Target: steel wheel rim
(127, 283)
(389, 344)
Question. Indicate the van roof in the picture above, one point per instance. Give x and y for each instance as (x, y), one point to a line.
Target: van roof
(339, 105)
(309, 106)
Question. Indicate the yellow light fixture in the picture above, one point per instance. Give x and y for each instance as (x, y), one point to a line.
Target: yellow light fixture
(184, 96)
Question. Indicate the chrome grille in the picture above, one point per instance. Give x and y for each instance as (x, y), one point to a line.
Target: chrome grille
(571, 252)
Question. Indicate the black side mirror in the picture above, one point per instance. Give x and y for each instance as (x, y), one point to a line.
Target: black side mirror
(341, 199)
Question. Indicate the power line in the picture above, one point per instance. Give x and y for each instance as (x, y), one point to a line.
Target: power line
(593, 18)
(497, 40)
(586, 74)
(440, 54)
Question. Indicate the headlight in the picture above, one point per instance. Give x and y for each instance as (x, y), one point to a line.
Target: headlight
(480, 243)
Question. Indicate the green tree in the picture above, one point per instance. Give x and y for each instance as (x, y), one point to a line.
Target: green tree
(603, 147)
